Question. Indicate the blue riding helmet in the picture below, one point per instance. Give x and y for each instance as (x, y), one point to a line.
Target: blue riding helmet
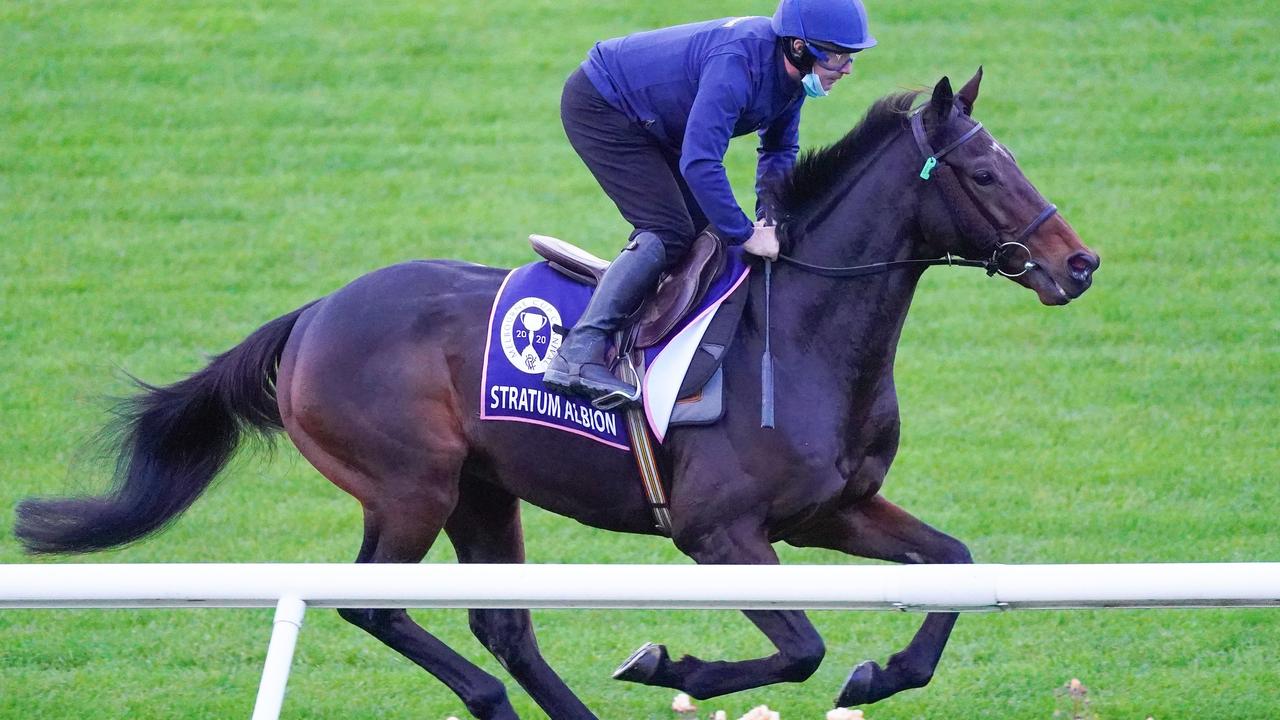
(842, 23)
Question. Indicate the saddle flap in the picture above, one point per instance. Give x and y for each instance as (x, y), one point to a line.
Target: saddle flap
(569, 259)
(680, 290)
(715, 343)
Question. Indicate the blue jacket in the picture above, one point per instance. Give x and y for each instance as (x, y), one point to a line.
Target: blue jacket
(693, 87)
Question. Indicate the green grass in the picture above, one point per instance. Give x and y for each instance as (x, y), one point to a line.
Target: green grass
(174, 174)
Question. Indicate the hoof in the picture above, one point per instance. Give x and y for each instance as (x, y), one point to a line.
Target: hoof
(857, 688)
(642, 664)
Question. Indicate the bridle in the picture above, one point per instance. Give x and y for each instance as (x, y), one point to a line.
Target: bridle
(953, 192)
(951, 189)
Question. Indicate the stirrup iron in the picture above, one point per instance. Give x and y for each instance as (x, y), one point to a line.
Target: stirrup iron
(621, 398)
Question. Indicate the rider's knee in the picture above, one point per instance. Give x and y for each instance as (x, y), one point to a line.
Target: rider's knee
(675, 241)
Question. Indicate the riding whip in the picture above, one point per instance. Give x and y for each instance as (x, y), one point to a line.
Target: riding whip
(766, 359)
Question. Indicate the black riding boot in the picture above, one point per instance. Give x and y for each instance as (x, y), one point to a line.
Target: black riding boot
(579, 368)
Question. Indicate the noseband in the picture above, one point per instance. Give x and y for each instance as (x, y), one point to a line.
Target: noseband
(951, 189)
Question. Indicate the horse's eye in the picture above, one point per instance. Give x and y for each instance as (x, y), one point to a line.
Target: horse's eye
(984, 177)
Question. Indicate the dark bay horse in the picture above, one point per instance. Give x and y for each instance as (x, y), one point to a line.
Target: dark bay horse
(377, 385)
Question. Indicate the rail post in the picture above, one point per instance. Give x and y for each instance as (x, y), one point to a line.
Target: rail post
(275, 672)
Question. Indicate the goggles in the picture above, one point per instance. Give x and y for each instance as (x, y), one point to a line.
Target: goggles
(831, 59)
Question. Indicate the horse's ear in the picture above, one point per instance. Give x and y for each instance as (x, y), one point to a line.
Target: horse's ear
(968, 94)
(942, 99)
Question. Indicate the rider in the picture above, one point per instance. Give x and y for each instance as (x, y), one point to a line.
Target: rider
(651, 115)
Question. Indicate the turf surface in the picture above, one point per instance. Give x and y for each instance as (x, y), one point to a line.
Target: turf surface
(174, 174)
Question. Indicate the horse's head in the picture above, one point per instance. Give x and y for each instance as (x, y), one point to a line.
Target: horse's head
(985, 208)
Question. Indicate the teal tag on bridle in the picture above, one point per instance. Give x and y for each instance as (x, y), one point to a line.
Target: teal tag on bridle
(929, 164)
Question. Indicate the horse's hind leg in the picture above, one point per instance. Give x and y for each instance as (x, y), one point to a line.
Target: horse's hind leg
(393, 540)
(876, 528)
(406, 497)
(485, 528)
(800, 648)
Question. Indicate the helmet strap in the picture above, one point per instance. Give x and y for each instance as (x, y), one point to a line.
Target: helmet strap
(802, 59)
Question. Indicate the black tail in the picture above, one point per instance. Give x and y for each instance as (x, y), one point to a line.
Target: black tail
(175, 439)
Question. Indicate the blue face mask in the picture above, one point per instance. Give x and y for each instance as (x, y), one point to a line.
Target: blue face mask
(813, 86)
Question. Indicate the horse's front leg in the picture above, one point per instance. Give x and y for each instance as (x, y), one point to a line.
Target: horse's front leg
(876, 528)
(800, 648)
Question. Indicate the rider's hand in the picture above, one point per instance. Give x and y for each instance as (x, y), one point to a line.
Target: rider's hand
(763, 241)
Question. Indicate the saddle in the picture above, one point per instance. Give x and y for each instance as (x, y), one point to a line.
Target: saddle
(699, 397)
(678, 292)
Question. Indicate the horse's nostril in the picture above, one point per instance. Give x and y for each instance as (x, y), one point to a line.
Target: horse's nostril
(1082, 263)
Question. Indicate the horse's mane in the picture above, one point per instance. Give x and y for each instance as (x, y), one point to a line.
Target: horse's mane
(814, 172)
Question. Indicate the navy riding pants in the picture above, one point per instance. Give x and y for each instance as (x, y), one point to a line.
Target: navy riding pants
(636, 172)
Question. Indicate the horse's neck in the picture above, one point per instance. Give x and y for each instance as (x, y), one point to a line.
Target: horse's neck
(848, 329)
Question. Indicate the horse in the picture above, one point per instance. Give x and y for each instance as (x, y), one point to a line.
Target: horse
(376, 385)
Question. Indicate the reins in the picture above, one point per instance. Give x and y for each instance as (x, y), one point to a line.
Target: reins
(862, 270)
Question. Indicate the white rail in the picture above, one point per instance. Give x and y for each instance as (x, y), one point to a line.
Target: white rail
(293, 588)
